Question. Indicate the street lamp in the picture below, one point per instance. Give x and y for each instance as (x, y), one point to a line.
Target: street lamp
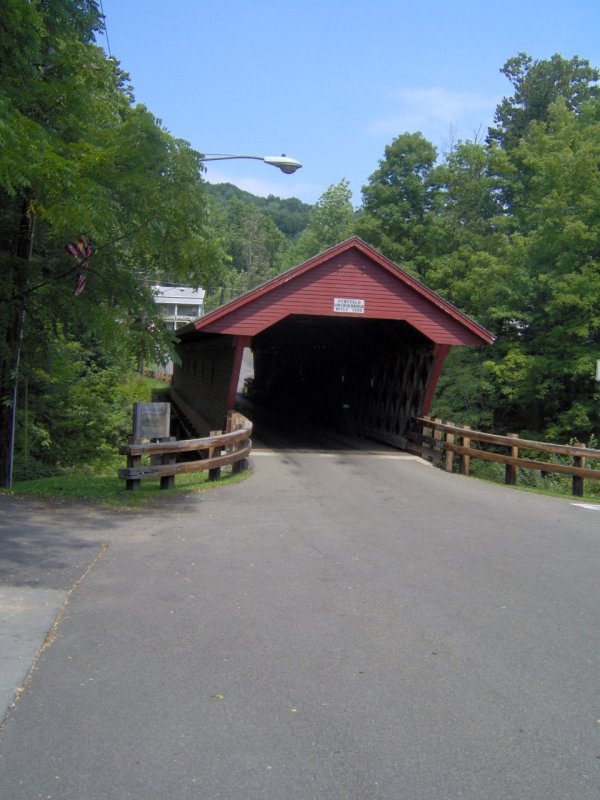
(282, 162)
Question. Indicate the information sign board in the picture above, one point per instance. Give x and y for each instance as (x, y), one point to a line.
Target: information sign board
(151, 421)
(347, 305)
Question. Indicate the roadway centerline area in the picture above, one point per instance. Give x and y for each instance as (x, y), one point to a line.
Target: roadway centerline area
(263, 451)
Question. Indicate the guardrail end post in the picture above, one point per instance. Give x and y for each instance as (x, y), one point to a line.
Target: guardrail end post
(510, 470)
(215, 473)
(426, 432)
(449, 456)
(438, 443)
(577, 485)
(465, 460)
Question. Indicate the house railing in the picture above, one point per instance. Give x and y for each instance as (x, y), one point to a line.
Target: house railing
(443, 442)
(215, 451)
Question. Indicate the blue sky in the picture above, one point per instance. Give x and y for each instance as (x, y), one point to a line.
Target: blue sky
(331, 83)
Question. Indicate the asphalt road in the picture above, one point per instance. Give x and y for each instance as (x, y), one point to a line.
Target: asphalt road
(339, 626)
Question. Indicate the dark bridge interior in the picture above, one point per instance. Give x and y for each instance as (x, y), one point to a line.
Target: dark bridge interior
(360, 377)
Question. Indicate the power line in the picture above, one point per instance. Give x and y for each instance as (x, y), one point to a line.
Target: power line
(105, 29)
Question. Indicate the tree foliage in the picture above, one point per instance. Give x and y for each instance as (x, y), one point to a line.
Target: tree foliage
(78, 157)
(398, 200)
(289, 214)
(259, 235)
(331, 220)
(537, 85)
(509, 231)
(255, 249)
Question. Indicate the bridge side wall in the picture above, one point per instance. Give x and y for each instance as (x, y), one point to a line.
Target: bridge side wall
(202, 381)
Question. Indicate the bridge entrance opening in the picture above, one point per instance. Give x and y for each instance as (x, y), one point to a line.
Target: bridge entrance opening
(358, 377)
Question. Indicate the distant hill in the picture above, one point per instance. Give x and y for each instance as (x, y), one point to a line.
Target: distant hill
(290, 215)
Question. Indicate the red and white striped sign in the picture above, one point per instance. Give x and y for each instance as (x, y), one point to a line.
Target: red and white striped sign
(81, 250)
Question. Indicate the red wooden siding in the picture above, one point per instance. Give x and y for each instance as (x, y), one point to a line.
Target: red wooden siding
(354, 272)
(202, 381)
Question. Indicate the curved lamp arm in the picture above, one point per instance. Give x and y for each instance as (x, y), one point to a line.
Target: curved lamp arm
(285, 164)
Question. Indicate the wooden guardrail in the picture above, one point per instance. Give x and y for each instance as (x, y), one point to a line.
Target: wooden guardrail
(215, 451)
(441, 442)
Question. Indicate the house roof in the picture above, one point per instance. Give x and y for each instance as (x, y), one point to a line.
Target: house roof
(350, 271)
(186, 295)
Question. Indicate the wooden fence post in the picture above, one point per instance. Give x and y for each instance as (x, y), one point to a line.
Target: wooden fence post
(215, 473)
(233, 424)
(577, 486)
(133, 484)
(425, 431)
(465, 460)
(167, 481)
(449, 457)
(437, 442)
(510, 471)
(164, 459)
(239, 466)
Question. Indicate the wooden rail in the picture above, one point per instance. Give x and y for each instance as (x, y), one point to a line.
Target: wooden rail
(440, 442)
(216, 451)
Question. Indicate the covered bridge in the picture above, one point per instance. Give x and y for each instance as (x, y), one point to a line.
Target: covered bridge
(347, 339)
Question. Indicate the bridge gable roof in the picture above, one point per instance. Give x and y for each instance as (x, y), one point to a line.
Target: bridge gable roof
(352, 270)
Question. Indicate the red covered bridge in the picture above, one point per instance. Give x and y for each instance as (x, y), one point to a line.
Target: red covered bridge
(347, 339)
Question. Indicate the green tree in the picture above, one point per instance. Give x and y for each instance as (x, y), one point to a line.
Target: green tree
(521, 235)
(468, 237)
(331, 220)
(556, 210)
(253, 242)
(530, 271)
(398, 201)
(537, 85)
(77, 157)
(289, 214)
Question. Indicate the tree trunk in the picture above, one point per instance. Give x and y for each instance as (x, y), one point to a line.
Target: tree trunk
(15, 287)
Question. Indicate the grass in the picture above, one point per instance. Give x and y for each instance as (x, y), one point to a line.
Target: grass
(588, 497)
(530, 480)
(98, 483)
(108, 491)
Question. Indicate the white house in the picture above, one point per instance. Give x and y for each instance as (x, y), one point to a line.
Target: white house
(179, 304)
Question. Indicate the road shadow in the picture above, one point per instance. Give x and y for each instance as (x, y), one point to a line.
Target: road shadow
(281, 429)
(49, 545)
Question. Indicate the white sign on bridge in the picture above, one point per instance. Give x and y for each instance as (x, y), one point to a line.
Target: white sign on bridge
(346, 305)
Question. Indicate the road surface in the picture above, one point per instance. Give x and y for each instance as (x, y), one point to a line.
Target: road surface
(340, 626)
